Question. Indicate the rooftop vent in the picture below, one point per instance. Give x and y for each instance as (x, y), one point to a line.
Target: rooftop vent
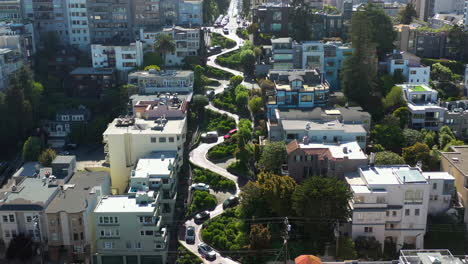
(455, 160)
(307, 127)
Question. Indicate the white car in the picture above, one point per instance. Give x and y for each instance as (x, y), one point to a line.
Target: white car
(206, 251)
(200, 187)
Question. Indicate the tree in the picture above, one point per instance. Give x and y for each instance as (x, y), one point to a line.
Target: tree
(152, 58)
(403, 114)
(46, 157)
(152, 67)
(346, 249)
(199, 103)
(31, 149)
(247, 59)
(441, 73)
(252, 201)
(273, 156)
(164, 44)
(407, 14)
(458, 42)
(255, 105)
(234, 81)
(390, 136)
(388, 158)
(329, 199)
(418, 152)
(381, 27)
(202, 200)
(360, 69)
(260, 237)
(394, 99)
(412, 136)
(368, 248)
(198, 73)
(277, 191)
(21, 248)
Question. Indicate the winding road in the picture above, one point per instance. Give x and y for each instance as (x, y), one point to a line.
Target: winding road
(198, 156)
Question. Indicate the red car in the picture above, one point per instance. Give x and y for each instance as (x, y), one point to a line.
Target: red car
(230, 133)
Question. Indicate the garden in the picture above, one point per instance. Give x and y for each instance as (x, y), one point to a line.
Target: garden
(220, 40)
(235, 99)
(201, 200)
(216, 181)
(242, 59)
(213, 121)
(184, 256)
(224, 150)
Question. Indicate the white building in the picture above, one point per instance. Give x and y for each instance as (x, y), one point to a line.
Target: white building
(78, 24)
(188, 42)
(152, 81)
(424, 107)
(441, 191)
(129, 139)
(129, 229)
(389, 202)
(122, 58)
(409, 66)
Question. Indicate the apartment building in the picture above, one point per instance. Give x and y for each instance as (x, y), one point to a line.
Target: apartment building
(456, 117)
(129, 229)
(392, 203)
(10, 62)
(273, 18)
(406, 37)
(424, 8)
(78, 24)
(153, 81)
(449, 6)
(11, 10)
(23, 204)
(90, 82)
(190, 12)
(455, 163)
(441, 193)
(147, 14)
(306, 159)
(299, 89)
(409, 66)
(19, 37)
(162, 128)
(335, 53)
(188, 42)
(70, 231)
(424, 106)
(122, 58)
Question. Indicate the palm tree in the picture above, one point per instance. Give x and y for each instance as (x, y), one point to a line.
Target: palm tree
(164, 44)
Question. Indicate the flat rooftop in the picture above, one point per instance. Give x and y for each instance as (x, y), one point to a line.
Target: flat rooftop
(458, 158)
(438, 175)
(161, 74)
(92, 71)
(318, 113)
(147, 127)
(328, 126)
(27, 170)
(123, 204)
(156, 164)
(64, 159)
(353, 150)
(29, 191)
(428, 256)
(391, 175)
(74, 197)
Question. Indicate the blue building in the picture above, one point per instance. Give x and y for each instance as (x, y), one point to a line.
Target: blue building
(190, 12)
(335, 53)
(297, 89)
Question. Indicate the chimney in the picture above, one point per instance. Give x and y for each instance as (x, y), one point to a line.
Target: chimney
(305, 140)
(372, 159)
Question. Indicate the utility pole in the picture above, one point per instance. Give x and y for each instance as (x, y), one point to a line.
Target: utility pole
(287, 229)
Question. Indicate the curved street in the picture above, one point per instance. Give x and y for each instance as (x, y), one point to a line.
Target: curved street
(198, 156)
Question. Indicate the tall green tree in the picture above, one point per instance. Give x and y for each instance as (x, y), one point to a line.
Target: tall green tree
(388, 158)
(389, 135)
(407, 14)
(273, 156)
(32, 148)
(394, 99)
(381, 27)
(458, 42)
(277, 191)
(360, 69)
(418, 152)
(260, 237)
(164, 44)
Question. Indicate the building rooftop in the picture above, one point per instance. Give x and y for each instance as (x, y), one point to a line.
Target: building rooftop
(30, 191)
(123, 204)
(161, 74)
(349, 150)
(147, 127)
(91, 70)
(27, 170)
(64, 159)
(75, 194)
(328, 126)
(428, 256)
(318, 113)
(458, 158)
(281, 40)
(157, 164)
(390, 175)
(438, 175)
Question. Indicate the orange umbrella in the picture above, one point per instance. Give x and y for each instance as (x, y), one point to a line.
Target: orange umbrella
(308, 259)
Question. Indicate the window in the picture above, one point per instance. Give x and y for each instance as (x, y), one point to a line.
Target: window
(149, 233)
(394, 213)
(368, 229)
(77, 249)
(5, 218)
(275, 27)
(75, 236)
(306, 98)
(171, 139)
(13, 233)
(387, 213)
(128, 244)
(416, 212)
(12, 218)
(434, 186)
(29, 219)
(7, 233)
(153, 140)
(407, 212)
(436, 197)
(54, 236)
(277, 15)
(162, 140)
(108, 245)
(138, 245)
(81, 236)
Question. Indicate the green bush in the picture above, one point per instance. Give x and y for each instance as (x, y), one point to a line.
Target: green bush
(225, 232)
(242, 33)
(220, 40)
(201, 201)
(238, 168)
(217, 73)
(455, 66)
(184, 256)
(216, 181)
(213, 121)
(223, 150)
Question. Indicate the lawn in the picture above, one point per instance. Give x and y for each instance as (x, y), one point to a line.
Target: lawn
(418, 88)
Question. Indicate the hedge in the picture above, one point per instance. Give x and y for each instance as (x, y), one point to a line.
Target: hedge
(216, 181)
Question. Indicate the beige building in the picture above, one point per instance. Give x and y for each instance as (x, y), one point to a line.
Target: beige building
(456, 164)
(153, 81)
(70, 228)
(128, 139)
(406, 37)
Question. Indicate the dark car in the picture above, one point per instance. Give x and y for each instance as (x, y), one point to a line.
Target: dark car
(202, 216)
(190, 235)
(226, 31)
(206, 251)
(230, 202)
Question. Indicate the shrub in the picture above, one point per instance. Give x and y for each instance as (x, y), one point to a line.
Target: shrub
(216, 181)
(202, 200)
(218, 122)
(222, 41)
(217, 73)
(240, 169)
(223, 150)
(225, 232)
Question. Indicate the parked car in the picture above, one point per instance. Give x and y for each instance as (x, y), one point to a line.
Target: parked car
(200, 187)
(201, 216)
(206, 251)
(190, 235)
(210, 94)
(226, 31)
(230, 133)
(211, 136)
(230, 202)
(64, 153)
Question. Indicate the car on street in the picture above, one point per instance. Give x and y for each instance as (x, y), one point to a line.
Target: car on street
(226, 31)
(206, 251)
(200, 187)
(190, 235)
(210, 94)
(202, 216)
(230, 133)
(231, 202)
(208, 137)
